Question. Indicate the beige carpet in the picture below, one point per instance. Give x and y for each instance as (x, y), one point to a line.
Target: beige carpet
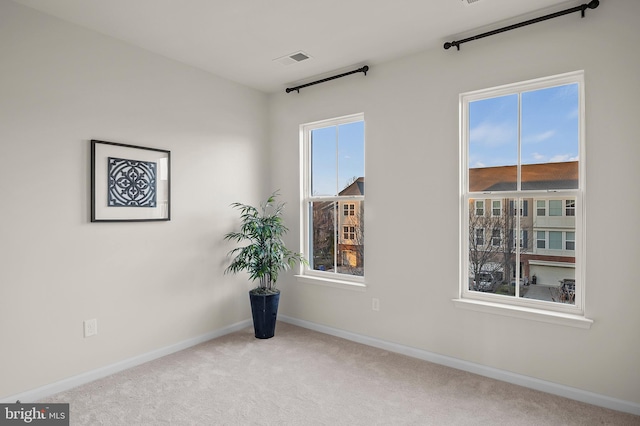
(301, 377)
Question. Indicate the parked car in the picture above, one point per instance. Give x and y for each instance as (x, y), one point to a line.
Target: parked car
(485, 281)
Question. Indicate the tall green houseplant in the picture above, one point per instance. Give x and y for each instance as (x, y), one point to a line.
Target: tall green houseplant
(263, 257)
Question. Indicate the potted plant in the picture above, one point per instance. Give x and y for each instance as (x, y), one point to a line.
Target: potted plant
(263, 257)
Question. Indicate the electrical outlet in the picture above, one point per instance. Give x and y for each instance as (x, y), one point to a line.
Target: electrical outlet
(375, 304)
(90, 327)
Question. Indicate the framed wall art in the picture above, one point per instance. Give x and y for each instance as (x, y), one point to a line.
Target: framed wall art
(129, 183)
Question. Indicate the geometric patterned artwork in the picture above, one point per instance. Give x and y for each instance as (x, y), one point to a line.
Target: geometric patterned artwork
(132, 183)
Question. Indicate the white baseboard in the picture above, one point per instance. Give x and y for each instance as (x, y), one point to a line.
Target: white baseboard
(72, 382)
(493, 373)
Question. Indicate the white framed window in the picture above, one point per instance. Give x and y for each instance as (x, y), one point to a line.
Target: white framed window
(349, 209)
(479, 236)
(522, 209)
(541, 239)
(496, 238)
(333, 199)
(523, 240)
(479, 207)
(555, 240)
(349, 233)
(522, 145)
(548, 240)
(555, 207)
(496, 208)
(570, 241)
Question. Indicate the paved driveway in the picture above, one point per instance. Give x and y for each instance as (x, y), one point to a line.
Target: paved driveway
(542, 292)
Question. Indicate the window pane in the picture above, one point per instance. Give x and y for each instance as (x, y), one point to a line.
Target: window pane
(323, 235)
(351, 156)
(571, 241)
(549, 150)
(555, 240)
(496, 208)
(493, 143)
(555, 207)
(323, 162)
(570, 207)
(350, 255)
(492, 264)
(541, 242)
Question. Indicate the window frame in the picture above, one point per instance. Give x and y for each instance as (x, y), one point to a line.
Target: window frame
(493, 238)
(348, 209)
(543, 239)
(479, 236)
(559, 209)
(553, 312)
(306, 273)
(568, 241)
(557, 244)
(493, 208)
(522, 240)
(348, 232)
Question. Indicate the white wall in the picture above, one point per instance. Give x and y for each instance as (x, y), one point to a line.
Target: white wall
(411, 113)
(149, 285)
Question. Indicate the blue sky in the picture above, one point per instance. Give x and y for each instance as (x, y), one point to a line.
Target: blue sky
(337, 156)
(549, 128)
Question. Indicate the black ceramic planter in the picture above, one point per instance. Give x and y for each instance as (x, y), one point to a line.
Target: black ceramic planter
(264, 308)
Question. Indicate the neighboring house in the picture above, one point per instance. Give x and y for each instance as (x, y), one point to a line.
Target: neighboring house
(350, 227)
(547, 225)
(347, 216)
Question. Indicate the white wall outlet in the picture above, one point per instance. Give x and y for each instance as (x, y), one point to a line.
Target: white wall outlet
(90, 327)
(375, 304)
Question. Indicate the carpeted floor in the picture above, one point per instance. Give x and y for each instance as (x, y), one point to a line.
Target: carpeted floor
(302, 377)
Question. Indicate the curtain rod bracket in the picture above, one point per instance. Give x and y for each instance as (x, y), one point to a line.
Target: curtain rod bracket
(582, 8)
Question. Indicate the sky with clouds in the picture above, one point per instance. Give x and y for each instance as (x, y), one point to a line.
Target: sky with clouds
(548, 133)
(337, 157)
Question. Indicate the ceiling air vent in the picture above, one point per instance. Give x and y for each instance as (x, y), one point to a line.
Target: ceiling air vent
(293, 58)
(469, 1)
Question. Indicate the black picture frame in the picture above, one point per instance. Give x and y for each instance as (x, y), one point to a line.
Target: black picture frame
(129, 183)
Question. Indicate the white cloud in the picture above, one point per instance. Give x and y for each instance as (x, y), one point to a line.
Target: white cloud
(560, 158)
(539, 137)
(492, 135)
(573, 114)
(538, 157)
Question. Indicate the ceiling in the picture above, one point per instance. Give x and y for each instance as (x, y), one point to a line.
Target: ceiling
(241, 39)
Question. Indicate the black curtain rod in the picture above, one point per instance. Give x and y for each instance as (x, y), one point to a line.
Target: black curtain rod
(591, 5)
(297, 88)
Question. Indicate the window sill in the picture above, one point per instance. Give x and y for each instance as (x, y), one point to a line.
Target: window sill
(347, 285)
(551, 317)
